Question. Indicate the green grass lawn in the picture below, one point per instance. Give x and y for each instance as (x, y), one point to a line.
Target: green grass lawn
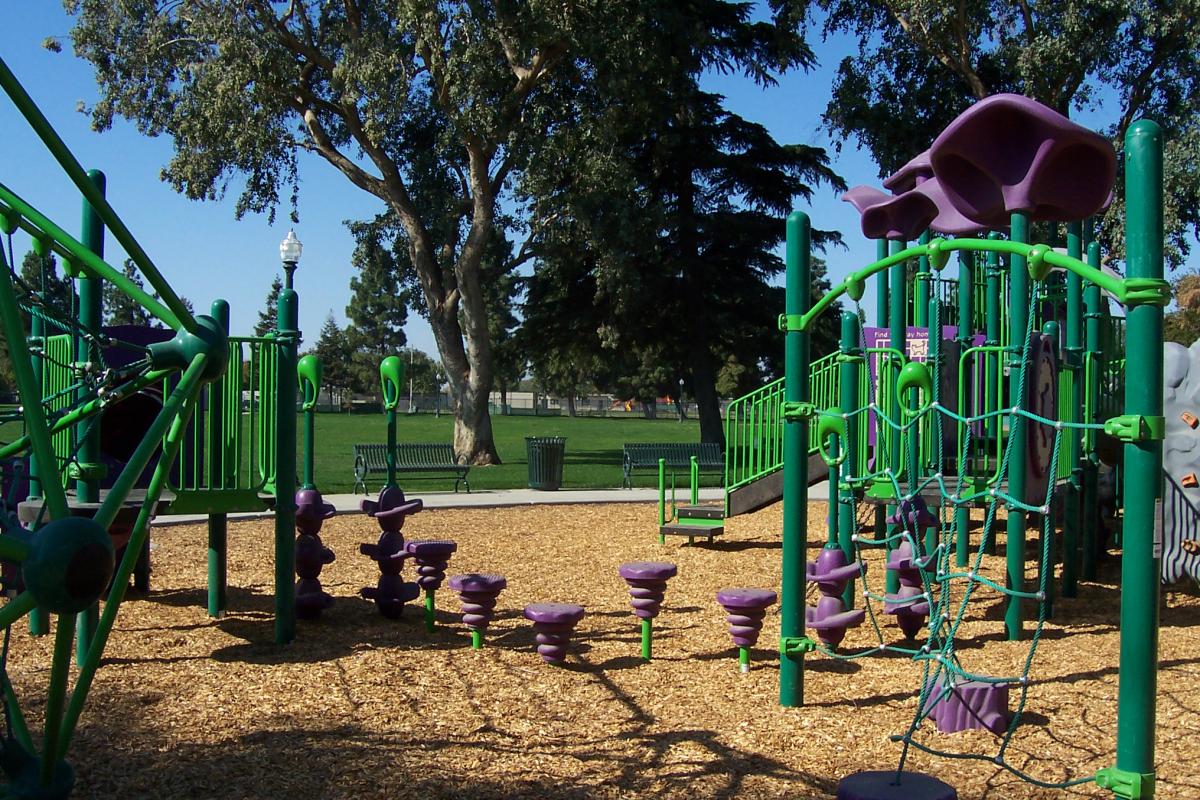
(593, 448)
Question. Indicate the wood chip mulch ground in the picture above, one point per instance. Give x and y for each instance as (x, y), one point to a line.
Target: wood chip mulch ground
(364, 707)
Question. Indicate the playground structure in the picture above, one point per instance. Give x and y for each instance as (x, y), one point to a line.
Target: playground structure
(980, 424)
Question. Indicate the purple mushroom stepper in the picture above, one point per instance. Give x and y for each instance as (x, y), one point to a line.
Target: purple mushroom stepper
(553, 623)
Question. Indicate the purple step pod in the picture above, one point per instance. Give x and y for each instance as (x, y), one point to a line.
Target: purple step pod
(553, 623)
(830, 618)
(391, 509)
(390, 595)
(910, 614)
(311, 599)
(432, 556)
(1009, 153)
(888, 784)
(479, 593)
(312, 511)
(744, 612)
(969, 705)
(647, 585)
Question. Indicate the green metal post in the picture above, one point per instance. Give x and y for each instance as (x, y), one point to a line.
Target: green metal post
(430, 612)
(921, 301)
(849, 400)
(966, 290)
(39, 618)
(1071, 414)
(881, 286)
(992, 389)
(744, 659)
(934, 360)
(1093, 302)
(647, 638)
(1050, 328)
(476, 639)
(897, 339)
(87, 486)
(798, 297)
(1141, 540)
(1018, 311)
(285, 466)
(662, 499)
(218, 528)
(694, 480)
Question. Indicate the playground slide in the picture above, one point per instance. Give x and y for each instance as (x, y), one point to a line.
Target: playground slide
(1180, 536)
(769, 488)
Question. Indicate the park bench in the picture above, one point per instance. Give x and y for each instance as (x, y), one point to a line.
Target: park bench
(645, 455)
(372, 458)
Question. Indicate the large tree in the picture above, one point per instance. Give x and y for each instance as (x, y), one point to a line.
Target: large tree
(922, 63)
(120, 308)
(269, 313)
(412, 101)
(378, 307)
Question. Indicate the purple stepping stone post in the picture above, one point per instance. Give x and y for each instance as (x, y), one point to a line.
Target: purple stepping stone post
(390, 511)
(311, 553)
(970, 704)
(745, 609)
(830, 618)
(431, 556)
(478, 593)
(889, 784)
(908, 603)
(647, 585)
(553, 623)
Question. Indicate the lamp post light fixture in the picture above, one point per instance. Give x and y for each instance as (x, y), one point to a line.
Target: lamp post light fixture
(289, 253)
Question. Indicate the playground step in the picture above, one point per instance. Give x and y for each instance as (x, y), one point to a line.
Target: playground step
(692, 531)
(700, 512)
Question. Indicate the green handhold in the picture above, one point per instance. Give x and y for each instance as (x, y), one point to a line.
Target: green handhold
(914, 375)
(939, 256)
(308, 374)
(69, 565)
(855, 287)
(831, 423)
(1039, 268)
(391, 379)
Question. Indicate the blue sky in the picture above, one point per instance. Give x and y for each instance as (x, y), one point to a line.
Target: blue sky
(206, 253)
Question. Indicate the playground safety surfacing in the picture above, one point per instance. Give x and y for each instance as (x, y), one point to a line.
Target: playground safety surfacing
(363, 707)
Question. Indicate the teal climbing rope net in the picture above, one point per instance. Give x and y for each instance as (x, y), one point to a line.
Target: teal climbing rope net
(947, 590)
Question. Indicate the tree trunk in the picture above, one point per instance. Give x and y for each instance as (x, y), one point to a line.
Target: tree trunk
(650, 409)
(571, 405)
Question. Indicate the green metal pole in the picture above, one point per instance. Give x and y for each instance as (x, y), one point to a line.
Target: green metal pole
(285, 467)
(39, 618)
(1093, 302)
(476, 639)
(881, 286)
(647, 638)
(1050, 328)
(218, 548)
(1141, 542)
(430, 612)
(798, 297)
(992, 390)
(391, 451)
(1071, 414)
(921, 301)
(694, 480)
(962, 514)
(897, 339)
(851, 358)
(936, 460)
(218, 527)
(662, 499)
(1018, 311)
(744, 659)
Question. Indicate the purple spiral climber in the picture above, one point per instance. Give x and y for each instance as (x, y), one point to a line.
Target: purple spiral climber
(432, 556)
(745, 609)
(479, 593)
(311, 553)
(647, 585)
(553, 623)
(392, 591)
(830, 618)
(910, 613)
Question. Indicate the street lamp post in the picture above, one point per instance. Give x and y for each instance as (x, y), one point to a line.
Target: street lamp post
(679, 399)
(289, 254)
(287, 335)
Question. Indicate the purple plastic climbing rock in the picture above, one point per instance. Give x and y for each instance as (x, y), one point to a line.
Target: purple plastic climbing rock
(910, 613)
(647, 585)
(744, 611)
(1009, 153)
(888, 784)
(478, 593)
(970, 705)
(553, 623)
(432, 556)
(392, 591)
(311, 553)
(830, 618)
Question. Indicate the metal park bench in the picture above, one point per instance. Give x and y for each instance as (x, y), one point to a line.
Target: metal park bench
(645, 455)
(370, 459)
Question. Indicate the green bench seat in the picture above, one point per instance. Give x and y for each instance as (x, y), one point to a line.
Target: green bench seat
(370, 459)
(645, 455)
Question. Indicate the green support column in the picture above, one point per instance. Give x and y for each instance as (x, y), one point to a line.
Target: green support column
(992, 388)
(881, 286)
(797, 300)
(391, 380)
(218, 528)
(87, 486)
(851, 358)
(1140, 559)
(897, 339)
(1015, 533)
(966, 291)
(285, 467)
(924, 277)
(1071, 414)
(1093, 301)
(1050, 328)
(39, 618)
(937, 461)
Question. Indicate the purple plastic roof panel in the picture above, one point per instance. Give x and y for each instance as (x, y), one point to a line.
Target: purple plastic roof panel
(911, 175)
(1009, 153)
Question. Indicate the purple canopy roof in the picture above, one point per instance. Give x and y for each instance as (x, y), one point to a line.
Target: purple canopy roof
(1009, 153)
(915, 172)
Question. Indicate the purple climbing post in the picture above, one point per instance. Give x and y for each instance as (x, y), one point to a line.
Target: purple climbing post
(744, 611)
(891, 784)
(647, 585)
(311, 553)
(431, 556)
(830, 618)
(478, 593)
(553, 623)
(908, 603)
(390, 511)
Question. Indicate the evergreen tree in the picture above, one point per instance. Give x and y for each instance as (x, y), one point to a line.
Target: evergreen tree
(378, 308)
(270, 311)
(120, 308)
(333, 351)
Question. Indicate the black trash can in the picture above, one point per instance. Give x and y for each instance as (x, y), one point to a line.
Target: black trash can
(545, 454)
